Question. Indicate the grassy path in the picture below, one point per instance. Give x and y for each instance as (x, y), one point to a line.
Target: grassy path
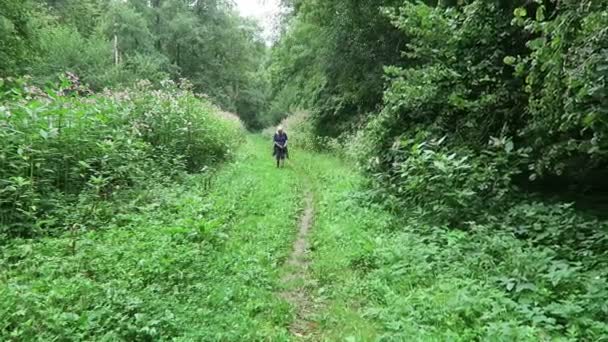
(296, 276)
(266, 255)
(191, 266)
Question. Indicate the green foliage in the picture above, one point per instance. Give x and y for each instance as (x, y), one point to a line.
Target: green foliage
(573, 236)
(458, 84)
(450, 108)
(459, 89)
(480, 99)
(81, 15)
(60, 149)
(118, 43)
(385, 276)
(176, 122)
(473, 70)
(565, 78)
(183, 261)
(330, 60)
(65, 49)
(446, 186)
(17, 39)
(295, 76)
(126, 22)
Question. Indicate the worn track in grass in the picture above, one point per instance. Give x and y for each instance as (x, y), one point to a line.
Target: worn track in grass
(297, 279)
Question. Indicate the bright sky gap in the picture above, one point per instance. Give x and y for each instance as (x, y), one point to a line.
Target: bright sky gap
(264, 11)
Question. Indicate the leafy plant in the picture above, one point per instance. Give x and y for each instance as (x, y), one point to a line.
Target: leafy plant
(85, 149)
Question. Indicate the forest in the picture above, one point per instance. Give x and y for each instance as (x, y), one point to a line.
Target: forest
(447, 180)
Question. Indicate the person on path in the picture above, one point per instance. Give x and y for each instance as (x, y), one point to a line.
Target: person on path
(280, 146)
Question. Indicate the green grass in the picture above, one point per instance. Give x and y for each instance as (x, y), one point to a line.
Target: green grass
(199, 265)
(194, 266)
(384, 277)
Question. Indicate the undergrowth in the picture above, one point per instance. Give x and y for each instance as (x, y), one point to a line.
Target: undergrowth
(188, 262)
(401, 275)
(67, 153)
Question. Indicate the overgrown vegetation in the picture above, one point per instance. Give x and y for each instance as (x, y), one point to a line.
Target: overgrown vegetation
(186, 261)
(488, 108)
(64, 157)
(528, 71)
(392, 277)
(477, 128)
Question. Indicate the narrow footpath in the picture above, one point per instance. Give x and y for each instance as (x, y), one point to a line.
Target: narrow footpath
(249, 253)
(297, 276)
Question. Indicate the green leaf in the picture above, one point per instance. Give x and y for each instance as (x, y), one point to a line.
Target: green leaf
(536, 44)
(519, 69)
(589, 119)
(509, 60)
(525, 286)
(540, 13)
(520, 12)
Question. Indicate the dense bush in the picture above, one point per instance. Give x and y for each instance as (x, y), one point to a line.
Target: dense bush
(565, 74)
(533, 71)
(463, 84)
(17, 39)
(446, 186)
(60, 148)
(483, 98)
(472, 233)
(456, 83)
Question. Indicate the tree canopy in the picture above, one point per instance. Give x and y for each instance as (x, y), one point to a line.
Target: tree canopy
(115, 43)
(531, 71)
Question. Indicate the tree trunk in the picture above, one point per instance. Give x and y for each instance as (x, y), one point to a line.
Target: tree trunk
(116, 49)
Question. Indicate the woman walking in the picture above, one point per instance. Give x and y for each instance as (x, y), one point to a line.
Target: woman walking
(280, 146)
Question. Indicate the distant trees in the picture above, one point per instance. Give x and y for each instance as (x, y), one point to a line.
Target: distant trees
(16, 36)
(204, 41)
(333, 54)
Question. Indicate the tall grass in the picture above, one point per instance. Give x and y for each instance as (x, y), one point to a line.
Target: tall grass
(60, 148)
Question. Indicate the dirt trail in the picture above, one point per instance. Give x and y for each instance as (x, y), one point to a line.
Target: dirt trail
(297, 278)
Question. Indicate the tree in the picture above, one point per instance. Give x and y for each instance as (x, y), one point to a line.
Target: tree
(349, 42)
(17, 38)
(115, 43)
